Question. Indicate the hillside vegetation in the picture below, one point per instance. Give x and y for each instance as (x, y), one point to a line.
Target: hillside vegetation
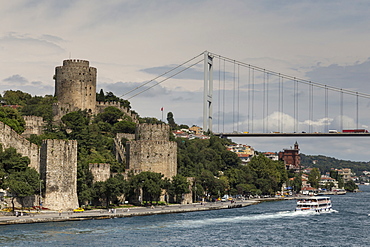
(325, 163)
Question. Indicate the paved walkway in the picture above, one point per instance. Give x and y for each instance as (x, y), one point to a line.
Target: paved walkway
(53, 216)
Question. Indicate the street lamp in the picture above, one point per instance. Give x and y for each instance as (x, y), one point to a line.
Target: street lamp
(40, 198)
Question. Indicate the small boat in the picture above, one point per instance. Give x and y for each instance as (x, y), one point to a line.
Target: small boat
(314, 203)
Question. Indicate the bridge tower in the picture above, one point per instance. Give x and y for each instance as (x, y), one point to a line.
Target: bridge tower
(207, 91)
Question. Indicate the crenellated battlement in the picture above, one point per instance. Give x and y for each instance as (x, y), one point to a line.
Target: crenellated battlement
(76, 62)
(108, 103)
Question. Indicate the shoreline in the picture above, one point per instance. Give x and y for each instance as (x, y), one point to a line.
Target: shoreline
(54, 216)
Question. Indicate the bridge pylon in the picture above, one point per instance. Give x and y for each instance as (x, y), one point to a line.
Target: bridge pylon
(207, 92)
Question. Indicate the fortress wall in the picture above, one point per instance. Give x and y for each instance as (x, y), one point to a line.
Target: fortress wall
(100, 171)
(10, 138)
(155, 156)
(58, 168)
(127, 136)
(34, 125)
(119, 148)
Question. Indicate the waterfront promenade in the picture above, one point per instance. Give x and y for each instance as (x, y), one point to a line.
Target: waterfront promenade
(54, 216)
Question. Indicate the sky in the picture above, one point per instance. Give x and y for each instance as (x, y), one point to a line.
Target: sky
(133, 42)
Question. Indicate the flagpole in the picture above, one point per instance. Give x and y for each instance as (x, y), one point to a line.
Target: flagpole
(162, 113)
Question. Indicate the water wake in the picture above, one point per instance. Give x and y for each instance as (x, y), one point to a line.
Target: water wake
(251, 217)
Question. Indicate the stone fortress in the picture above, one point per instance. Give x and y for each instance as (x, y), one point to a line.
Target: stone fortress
(56, 160)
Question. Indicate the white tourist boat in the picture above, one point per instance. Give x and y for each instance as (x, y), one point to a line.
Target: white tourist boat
(314, 203)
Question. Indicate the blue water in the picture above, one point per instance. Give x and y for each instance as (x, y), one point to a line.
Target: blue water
(265, 224)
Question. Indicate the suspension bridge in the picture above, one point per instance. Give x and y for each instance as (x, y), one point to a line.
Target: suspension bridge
(240, 99)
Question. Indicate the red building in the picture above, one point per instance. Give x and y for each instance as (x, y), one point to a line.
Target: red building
(291, 158)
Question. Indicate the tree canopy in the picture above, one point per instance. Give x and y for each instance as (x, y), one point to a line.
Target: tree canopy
(12, 118)
(16, 176)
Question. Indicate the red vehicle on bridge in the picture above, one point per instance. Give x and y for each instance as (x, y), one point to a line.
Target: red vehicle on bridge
(355, 131)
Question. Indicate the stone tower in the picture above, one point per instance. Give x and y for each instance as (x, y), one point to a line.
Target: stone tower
(152, 151)
(58, 170)
(75, 87)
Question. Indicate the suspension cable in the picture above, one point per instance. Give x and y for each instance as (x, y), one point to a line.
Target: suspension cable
(223, 109)
(357, 111)
(234, 96)
(162, 75)
(294, 105)
(282, 105)
(252, 99)
(165, 79)
(326, 108)
(267, 102)
(249, 98)
(219, 96)
(279, 105)
(303, 81)
(264, 102)
(238, 102)
(341, 110)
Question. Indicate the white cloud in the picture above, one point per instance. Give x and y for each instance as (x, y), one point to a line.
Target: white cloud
(130, 42)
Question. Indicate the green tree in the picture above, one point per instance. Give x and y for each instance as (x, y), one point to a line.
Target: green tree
(16, 97)
(12, 118)
(335, 174)
(76, 121)
(149, 183)
(109, 190)
(314, 177)
(295, 182)
(11, 161)
(100, 96)
(110, 115)
(41, 107)
(268, 175)
(15, 175)
(124, 127)
(179, 187)
(109, 97)
(22, 184)
(350, 186)
(171, 121)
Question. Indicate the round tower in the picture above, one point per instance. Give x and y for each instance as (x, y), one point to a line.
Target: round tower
(75, 87)
(152, 132)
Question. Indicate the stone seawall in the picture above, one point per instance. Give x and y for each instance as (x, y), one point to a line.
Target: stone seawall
(120, 213)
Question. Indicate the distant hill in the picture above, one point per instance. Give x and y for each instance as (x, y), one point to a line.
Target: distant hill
(325, 163)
